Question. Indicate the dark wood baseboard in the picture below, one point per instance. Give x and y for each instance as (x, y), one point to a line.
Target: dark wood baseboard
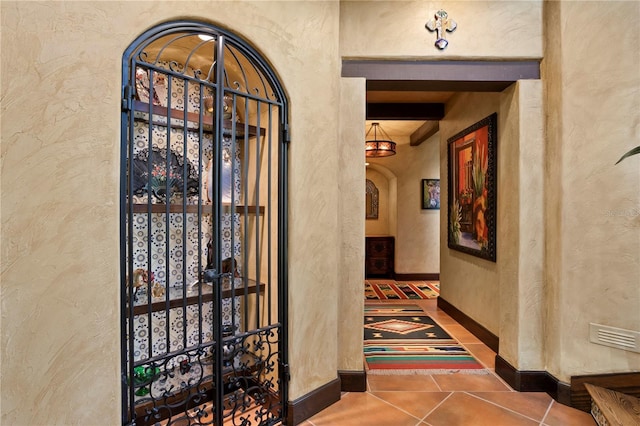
(485, 336)
(417, 277)
(575, 394)
(563, 393)
(627, 383)
(353, 381)
(313, 402)
(525, 381)
(532, 381)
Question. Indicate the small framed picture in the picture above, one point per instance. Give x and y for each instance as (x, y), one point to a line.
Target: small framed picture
(430, 194)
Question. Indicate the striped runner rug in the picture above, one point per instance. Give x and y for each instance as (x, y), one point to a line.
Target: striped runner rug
(400, 290)
(401, 339)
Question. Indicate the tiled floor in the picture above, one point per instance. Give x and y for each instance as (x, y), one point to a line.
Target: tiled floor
(447, 400)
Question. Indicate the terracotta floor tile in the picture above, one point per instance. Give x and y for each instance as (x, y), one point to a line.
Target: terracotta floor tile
(418, 404)
(530, 404)
(362, 409)
(429, 305)
(483, 354)
(469, 382)
(406, 383)
(402, 383)
(561, 415)
(462, 409)
(460, 333)
(441, 318)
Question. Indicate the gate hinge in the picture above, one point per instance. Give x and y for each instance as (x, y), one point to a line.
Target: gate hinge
(127, 97)
(286, 138)
(286, 372)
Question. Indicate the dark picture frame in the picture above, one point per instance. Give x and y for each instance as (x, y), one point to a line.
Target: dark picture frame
(472, 189)
(430, 194)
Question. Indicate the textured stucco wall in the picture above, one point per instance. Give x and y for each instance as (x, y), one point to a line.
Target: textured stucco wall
(396, 29)
(61, 65)
(470, 283)
(351, 219)
(417, 245)
(592, 94)
(520, 242)
(418, 248)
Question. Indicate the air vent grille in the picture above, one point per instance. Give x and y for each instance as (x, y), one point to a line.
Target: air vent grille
(628, 340)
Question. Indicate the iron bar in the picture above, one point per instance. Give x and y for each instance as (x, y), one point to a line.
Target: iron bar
(149, 217)
(185, 155)
(283, 255)
(167, 221)
(268, 214)
(217, 220)
(199, 219)
(126, 240)
(257, 217)
(245, 216)
(232, 213)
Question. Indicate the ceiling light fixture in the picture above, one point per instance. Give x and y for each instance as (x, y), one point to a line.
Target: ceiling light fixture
(379, 147)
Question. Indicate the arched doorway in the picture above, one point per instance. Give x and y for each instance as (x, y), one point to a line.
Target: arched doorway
(203, 230)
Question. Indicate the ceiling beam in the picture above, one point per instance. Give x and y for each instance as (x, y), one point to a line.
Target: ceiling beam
(424, 132)
(436, 86)
(405, 111)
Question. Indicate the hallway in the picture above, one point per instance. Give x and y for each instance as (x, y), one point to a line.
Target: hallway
(447, 400)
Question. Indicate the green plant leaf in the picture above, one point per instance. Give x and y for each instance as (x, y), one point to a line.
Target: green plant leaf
(634, 151)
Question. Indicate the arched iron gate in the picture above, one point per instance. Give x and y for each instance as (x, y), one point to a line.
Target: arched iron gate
(203, 231)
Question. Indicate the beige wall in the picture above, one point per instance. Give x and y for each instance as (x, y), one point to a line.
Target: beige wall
(469, 283)
(592, 93)
(418, 248)
(521, 176)
(351, 218)
(396, 29)
(417, 243)
(61, 66)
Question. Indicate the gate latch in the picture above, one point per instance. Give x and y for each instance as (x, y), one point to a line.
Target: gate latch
(210, 275)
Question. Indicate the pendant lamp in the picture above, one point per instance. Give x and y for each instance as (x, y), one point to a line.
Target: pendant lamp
(383, 147)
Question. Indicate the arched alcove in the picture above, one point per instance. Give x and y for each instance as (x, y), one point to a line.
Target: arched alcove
(386, 183)
(203, 230)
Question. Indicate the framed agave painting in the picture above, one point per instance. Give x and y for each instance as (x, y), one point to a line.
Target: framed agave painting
(472, 184)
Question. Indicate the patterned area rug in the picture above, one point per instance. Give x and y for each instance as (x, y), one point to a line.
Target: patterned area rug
(397, 290)
(401, 339)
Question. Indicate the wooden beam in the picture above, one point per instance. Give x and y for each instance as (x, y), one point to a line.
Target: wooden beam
(424, 132)
(461, 71)
(405, 111)
(436, 86)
